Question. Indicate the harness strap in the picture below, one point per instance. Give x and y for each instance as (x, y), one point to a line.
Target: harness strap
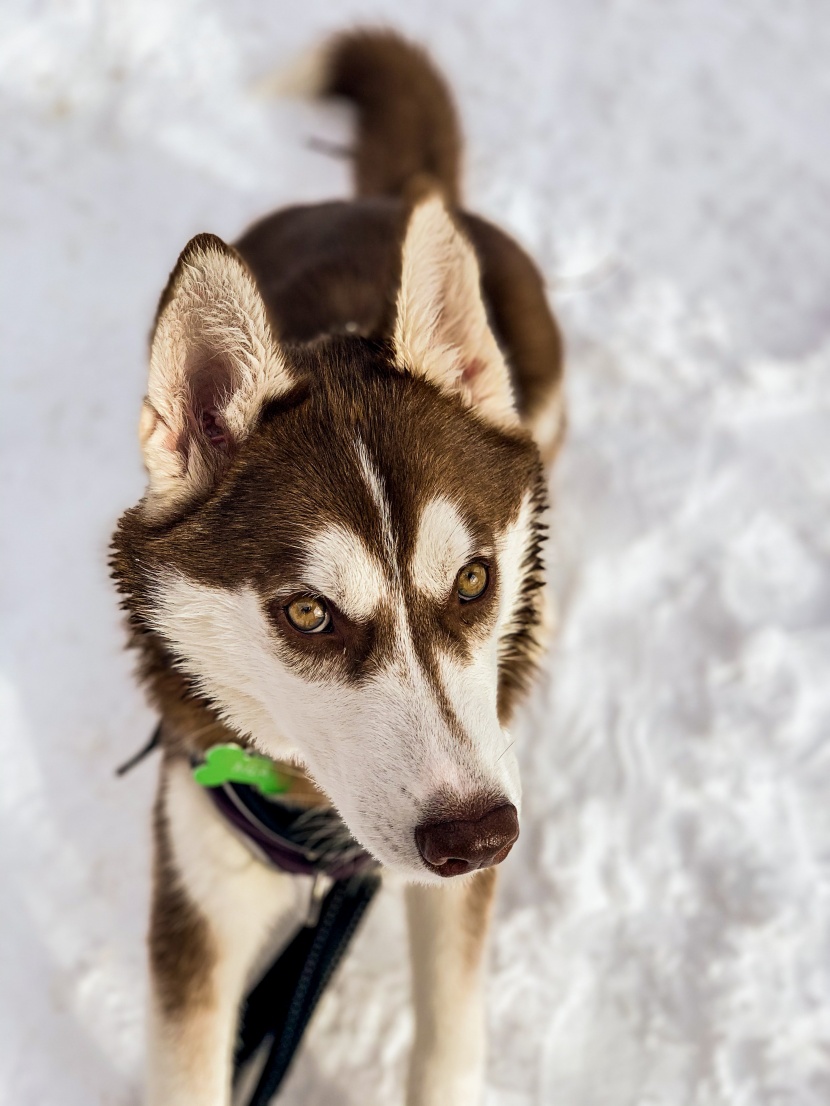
(280, 1006)
(311, 842)
(305, 842)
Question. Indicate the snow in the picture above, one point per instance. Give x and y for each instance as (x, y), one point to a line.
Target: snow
(663, 931)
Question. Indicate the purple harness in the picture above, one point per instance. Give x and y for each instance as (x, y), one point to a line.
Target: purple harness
(304, 842)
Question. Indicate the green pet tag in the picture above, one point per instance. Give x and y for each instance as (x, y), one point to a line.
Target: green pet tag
(232, 764)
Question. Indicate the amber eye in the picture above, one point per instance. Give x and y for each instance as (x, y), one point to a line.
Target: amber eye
(308, 615)
(471, 582)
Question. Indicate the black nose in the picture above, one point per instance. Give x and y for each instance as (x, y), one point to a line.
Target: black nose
(455, 847)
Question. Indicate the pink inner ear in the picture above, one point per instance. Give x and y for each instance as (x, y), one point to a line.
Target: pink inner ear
(214, 428)
(211, 384)
(471, 371)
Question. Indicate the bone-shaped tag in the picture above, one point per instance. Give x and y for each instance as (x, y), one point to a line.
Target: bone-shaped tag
(232, 764)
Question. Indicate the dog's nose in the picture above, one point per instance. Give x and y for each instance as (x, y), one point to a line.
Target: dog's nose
(455, 847)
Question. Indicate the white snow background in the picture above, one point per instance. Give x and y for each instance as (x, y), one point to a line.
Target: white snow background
(663, 930)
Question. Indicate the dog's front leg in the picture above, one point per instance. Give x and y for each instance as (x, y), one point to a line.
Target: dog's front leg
(448, 934)
(214, 908)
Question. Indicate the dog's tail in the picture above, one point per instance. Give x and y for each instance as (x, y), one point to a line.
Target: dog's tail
(408, 137)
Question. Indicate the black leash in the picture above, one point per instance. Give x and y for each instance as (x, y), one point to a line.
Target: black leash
(144, 751)
(278, 1008)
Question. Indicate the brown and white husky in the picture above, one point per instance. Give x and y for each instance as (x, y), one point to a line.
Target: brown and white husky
(337, 563)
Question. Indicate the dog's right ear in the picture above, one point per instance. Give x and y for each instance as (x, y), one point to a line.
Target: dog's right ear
(213, 363)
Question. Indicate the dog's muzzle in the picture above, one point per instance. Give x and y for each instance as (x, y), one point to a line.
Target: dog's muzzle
(452, 848)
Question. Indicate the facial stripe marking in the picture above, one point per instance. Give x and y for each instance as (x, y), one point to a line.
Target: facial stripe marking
(374, 482)
(443, 545)
(421, 666)
(342, 568)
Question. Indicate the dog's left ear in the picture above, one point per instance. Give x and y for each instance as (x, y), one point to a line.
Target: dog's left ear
(441, 328)
(213, 363)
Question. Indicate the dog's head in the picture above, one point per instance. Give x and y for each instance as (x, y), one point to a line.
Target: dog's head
(339, 544)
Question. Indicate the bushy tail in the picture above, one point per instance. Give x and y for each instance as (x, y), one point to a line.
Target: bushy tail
(407, 132)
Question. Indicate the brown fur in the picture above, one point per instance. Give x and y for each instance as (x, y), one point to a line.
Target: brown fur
(182, 951)
(408, 126)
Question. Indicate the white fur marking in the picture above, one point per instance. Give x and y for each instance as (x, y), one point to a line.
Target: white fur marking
(303, 77)
(374, 482)
(341, 567)
(442, 547)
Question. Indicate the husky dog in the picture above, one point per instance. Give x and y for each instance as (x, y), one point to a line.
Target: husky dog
(337, 564)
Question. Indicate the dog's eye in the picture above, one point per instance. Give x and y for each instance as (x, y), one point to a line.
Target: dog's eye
(308, 615)
(471, 582)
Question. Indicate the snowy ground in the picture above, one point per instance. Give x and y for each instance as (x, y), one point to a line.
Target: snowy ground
(664, 925)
